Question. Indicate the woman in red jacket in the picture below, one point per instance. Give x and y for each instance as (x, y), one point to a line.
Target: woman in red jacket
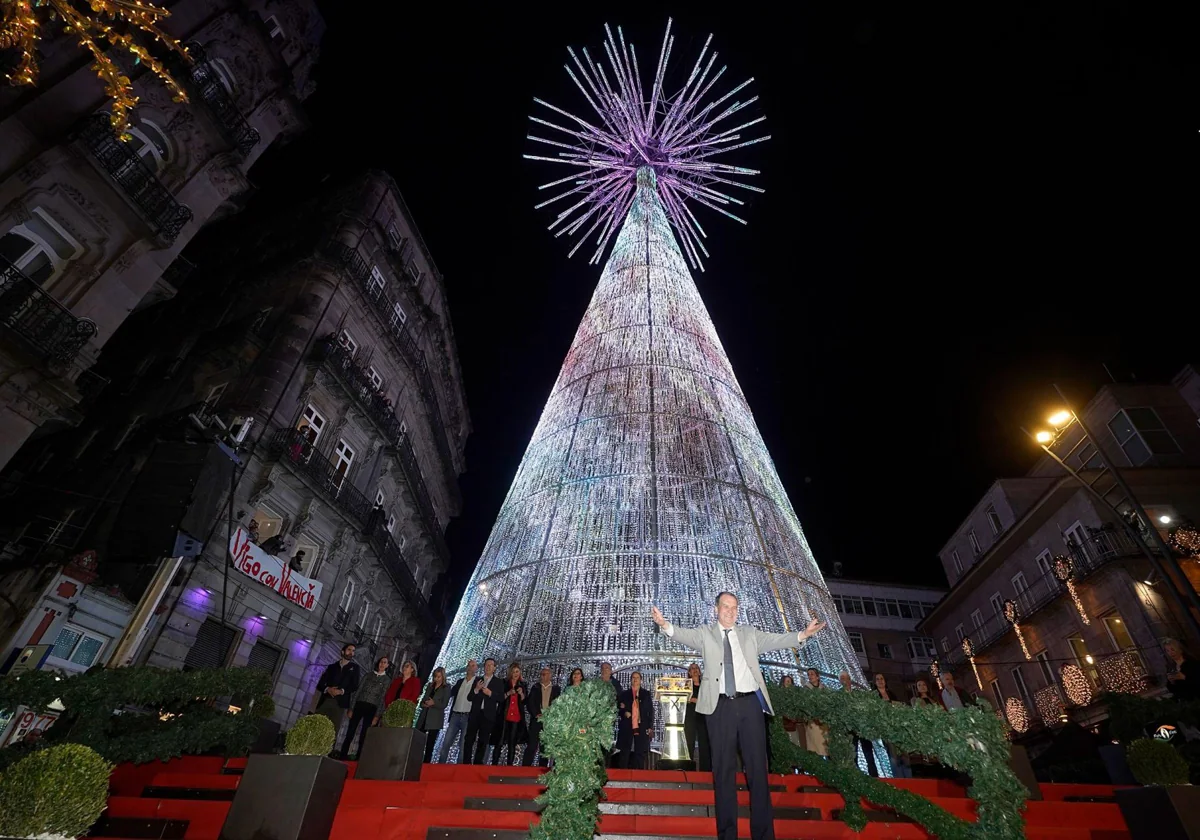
(407, 686)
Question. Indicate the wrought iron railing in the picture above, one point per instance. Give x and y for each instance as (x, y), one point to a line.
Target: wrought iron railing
(359, 272)
(139, 183)
(208, 88)
(178, 272)
(1095, 552)
(48, 327)
(358, 384)
(396, 565)
(341, 620)
(296, 451)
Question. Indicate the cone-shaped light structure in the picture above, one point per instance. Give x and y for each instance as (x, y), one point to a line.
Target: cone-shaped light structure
(646, 483)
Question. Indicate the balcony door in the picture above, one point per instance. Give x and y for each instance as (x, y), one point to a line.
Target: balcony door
(343, 457)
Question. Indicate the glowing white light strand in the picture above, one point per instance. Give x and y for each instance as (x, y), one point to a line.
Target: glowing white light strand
(676, 136)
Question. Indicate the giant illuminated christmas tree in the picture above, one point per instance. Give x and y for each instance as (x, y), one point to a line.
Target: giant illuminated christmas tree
(646, 481)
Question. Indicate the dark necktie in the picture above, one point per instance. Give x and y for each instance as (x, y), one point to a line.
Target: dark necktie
(730, 680)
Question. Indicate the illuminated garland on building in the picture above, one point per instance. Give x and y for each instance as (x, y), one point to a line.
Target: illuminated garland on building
(969, 650)
(1049, 705)
(1186, 540)
(936, 671)
(1010, 614)
(1017, 714)
(1076, 685)
(1064, 570)
(1122, 674)
(21, 29)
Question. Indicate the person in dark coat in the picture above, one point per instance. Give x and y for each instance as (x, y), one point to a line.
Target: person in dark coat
(337, 685)
(433, 710)
(485, 712)
(1184, 679)
(635, 723)
(695, 731)
(541, 695)
(512, 712)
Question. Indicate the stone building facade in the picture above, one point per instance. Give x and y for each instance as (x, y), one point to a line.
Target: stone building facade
(313, 364)
(1006, 550)
(90, 227)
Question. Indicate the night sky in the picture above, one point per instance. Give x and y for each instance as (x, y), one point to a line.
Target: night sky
(960, 211)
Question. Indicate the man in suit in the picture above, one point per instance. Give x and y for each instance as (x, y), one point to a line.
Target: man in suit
(460, 713)
(485, 712)
(541, 695)
(733, 695)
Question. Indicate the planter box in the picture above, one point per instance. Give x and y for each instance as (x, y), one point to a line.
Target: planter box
(285, 797)
(1170, 812)
(391, 754)
(1115, 764)
(268, 737)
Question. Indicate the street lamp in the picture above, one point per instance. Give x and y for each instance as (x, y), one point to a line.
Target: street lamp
(1061, 421)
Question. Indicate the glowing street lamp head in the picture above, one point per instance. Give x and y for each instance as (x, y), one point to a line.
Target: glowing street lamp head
(1060, 418)
(678, 137)
(1043, 437)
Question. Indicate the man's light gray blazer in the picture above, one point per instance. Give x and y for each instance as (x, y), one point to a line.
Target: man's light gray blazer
(710, 641)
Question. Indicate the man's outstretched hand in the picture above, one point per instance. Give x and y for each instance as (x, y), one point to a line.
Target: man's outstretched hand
(657, 615)
(814, 627)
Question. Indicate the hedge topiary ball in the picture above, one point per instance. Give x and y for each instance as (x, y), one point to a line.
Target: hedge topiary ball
(264, 707)
(58, 792)
(400, 714)
(311, 735)
(1154, 762)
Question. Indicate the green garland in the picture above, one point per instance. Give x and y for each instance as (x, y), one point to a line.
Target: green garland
(172, 714)
(970, 740)
(577, 732)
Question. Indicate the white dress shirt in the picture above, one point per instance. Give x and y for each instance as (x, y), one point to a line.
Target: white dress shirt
(743, 676)
(462, 701)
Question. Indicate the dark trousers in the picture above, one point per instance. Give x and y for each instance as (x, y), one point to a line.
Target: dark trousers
(363, 714)
(479, 735)
(630, 758)
(869, 754)
(737, 723)
(508, 740)
(430, 739)
(695, 732)
(535, 736)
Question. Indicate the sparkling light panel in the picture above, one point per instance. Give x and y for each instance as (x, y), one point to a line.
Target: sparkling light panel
(646, 483)
(1017, 714)
(1049, 705)
(1122, 673)
(1076, 685)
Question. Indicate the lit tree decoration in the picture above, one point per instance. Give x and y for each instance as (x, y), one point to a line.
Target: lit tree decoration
(969, 650)
(1049, 705)
(23, 21)
(1064, 570)
(1186, 540)
(678, 136)
(1076, 685)
(936, 671)
(1121, 674)
(1017, 714)
(646, 480)
(1010, 615)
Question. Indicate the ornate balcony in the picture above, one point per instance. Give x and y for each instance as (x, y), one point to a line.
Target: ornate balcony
(206, 85)
(359, 386)
(136, 180)
(393, 561)
(358, 271)
(43, 324)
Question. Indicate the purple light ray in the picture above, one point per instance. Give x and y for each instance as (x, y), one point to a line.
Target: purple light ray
(676, 135)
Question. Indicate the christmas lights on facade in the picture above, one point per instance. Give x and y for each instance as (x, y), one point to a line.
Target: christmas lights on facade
(1076, 685)
(969, 651)
(1064, 570)
(1012, 617)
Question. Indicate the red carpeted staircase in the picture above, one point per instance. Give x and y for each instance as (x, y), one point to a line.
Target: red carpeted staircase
(187, 799)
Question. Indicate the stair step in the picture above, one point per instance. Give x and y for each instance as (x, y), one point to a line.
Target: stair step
(139, 828)
(643, 809)
(204, 794)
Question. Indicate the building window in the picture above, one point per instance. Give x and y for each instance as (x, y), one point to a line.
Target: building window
(856, 642)
(391, 523)
(347, 596)
(364, 615)
(958, 566)
(375, 378)
(129, 430)
(399, 316)
(312, 556)
(414, 273)
(960, 632)
(885, 650)
(1019, 584)
(40, 247)
(921, 647)
(343, 457)
(974, 541)
(311, 423)
(993, 519)
(224, 75)
(1118, 633)
(1046, 564)
(79, 647)
(149, 142)
(347, 342)
(945, 645)
(1043, 661)
(403, 427)
(375, 284)
(395, 240)
(1022, 690)
(378, 634)
(1141, 435)
(1075, 536)
(264, 657)
(997, 603)
(977, 619)
(214, 394)
(274, 28)
(1084, 659)
(212, 647)
(997, 694)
